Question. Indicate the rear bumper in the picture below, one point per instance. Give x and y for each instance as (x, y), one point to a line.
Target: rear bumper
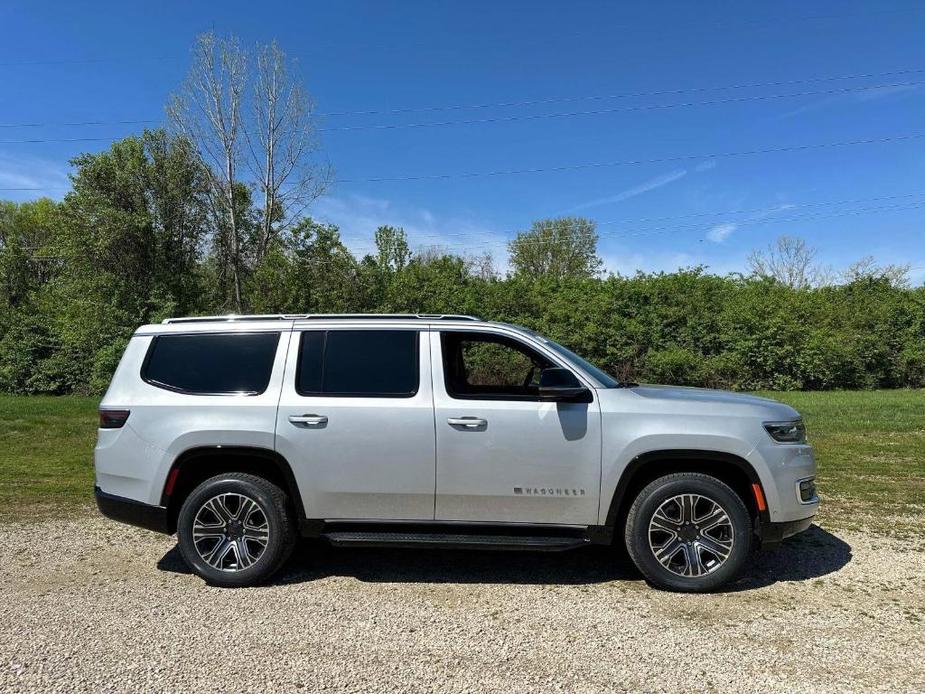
(773, 533)
(133, 512)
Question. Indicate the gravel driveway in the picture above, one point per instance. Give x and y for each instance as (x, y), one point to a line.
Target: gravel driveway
(89, 605)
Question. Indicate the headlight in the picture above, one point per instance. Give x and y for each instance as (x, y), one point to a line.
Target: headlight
(787, 432)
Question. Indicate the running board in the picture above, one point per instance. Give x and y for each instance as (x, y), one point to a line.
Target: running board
(348, 538)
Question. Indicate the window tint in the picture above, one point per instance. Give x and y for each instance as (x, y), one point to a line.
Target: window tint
(211, 364)
(380, 363)
(482, 365)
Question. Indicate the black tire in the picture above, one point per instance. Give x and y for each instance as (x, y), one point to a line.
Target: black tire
(691, 566)
(271, 512)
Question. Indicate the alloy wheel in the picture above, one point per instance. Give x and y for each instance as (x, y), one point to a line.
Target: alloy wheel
(230, 532)
(691, 535)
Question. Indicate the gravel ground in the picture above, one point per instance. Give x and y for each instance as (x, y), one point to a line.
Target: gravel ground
(89, 605)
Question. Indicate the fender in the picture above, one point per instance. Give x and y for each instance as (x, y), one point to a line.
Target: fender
(280, 465)
(669, 457)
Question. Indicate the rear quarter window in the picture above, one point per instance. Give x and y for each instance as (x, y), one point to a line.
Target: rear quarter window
(211, 364)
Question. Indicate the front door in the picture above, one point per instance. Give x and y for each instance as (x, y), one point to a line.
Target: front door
(356, 422)
(502, 454)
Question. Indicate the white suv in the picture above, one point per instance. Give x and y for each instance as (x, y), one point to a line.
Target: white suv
(243, 433)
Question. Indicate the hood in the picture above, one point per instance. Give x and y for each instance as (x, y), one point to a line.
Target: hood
(711, 402)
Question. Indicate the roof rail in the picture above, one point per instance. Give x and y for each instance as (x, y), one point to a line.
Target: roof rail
(229, 318)
(387, 316)
(232, 318)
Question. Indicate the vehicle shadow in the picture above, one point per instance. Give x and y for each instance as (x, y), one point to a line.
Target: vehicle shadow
(314, 560)
(812, 554)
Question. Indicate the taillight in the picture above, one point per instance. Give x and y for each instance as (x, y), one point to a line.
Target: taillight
(113, 419)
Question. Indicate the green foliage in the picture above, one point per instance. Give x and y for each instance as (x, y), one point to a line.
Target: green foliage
(557, 248)
(134, 242)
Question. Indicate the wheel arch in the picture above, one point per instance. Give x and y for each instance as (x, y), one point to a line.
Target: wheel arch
(732, 469)
(195, 465)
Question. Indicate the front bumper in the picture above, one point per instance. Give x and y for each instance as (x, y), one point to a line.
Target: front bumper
(133, 512)
(773, 534)
(781, 468)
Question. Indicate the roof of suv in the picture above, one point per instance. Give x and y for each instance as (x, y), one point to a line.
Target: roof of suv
(322, 316)
(286, 321)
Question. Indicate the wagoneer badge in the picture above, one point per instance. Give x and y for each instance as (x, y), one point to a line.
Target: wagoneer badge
(548, 491)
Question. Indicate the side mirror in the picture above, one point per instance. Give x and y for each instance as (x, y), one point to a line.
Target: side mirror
(561, 385)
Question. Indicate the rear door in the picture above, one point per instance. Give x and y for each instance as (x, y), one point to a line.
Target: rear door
(502, 455)
(356, 421)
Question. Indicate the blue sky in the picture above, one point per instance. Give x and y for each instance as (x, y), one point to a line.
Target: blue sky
(670, 201)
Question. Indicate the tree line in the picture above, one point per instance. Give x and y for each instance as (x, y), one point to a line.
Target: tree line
(209, 217)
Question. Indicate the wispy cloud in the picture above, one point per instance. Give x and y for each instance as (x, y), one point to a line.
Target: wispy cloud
(48, 177)
(864, 96)
(882, 92)
(721, 232)
(644, 187)
(358, 217)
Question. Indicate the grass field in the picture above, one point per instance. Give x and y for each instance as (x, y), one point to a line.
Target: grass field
(870, 447)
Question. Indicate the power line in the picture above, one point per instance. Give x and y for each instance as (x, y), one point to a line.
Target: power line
(631, 162)
(77, 123)
(783, 207)
(556, 100)
(64, 139)
(624, 95)
(622, 109)
(755, 221)
(688, 27)
(600, 165)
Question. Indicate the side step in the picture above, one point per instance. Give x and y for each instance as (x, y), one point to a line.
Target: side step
(350, 538)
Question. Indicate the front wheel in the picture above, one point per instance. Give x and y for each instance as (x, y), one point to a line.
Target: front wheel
(235, 530)
(688, 532)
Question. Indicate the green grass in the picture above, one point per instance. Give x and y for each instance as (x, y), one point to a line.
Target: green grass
(46, 454)
(870, 446)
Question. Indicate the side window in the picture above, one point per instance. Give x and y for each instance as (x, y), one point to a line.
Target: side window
(372, 363)
(483, 365)
(211, 363)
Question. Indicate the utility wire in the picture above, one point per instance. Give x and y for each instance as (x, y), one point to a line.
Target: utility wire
(755, 221)
(574, 99)
(632, 162)
(77, 123)
(624, 95)
(599, 165)
(766, 211)
(622, 109)
(759, 23)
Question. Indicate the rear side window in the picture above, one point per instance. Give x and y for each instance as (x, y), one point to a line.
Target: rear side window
(372, 363)
(211, 364)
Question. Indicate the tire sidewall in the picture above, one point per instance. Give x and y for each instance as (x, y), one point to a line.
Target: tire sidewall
(654, 496)
(276, 545)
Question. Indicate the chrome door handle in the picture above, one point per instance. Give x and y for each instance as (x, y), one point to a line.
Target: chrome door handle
(311, 420)
(467, 422)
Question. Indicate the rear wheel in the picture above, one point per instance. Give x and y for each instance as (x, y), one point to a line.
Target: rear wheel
(688, 532)
(235, 530)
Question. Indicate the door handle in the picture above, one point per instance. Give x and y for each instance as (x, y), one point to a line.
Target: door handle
(467, 422)
(311, 420)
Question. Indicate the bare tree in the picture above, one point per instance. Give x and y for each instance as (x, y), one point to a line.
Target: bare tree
(255, 136)
(481, 266)
(790, 261)
(867, 268)
(208, 110)
(281, 144)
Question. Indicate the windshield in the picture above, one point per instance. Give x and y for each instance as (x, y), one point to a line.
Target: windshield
(604, 378)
